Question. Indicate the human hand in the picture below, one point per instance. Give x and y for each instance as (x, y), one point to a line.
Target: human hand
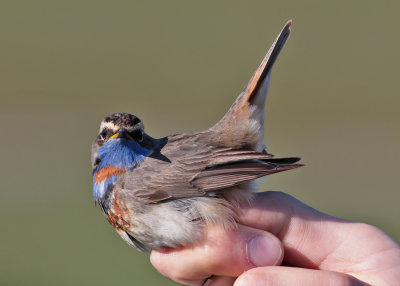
(277, 230)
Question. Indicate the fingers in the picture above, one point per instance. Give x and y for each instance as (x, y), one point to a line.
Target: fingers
(221, 253)
(279, 275)
(299, 227)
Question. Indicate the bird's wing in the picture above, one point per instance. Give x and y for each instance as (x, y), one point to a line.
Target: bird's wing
(244, 121)
(193, 168)
(235, 173)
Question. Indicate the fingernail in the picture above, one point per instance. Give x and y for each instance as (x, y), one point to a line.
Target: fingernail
(263, 251)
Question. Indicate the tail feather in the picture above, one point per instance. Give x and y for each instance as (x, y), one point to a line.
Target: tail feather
(244, 121)
(261, 76)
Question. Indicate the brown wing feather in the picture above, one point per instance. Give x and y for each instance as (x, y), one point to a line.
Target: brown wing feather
(225, 176)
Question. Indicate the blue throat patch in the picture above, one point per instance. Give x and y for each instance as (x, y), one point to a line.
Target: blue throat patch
(121, 153)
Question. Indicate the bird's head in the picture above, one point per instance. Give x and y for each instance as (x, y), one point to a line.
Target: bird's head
(115, 130)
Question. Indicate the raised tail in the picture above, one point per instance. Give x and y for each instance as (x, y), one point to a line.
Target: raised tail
(244, 122)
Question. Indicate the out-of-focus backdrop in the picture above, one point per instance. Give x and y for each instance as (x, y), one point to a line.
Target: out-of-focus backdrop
(179, 65)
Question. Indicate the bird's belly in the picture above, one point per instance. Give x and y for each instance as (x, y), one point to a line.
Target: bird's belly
(164, 225)
(174, 223)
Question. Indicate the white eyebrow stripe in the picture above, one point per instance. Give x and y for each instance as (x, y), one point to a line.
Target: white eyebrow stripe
(108, 125)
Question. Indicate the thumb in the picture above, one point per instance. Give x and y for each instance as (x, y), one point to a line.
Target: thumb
(280, 275)
(221, 253)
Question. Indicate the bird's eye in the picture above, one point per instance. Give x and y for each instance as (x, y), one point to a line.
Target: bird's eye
(103, 135)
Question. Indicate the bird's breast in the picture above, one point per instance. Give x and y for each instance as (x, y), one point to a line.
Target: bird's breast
(116, 158)
(106, 173)
(104, 180)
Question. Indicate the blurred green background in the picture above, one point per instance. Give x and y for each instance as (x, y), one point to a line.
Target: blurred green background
(179, 65)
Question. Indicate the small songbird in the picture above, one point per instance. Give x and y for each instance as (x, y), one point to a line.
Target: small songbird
(161, 193)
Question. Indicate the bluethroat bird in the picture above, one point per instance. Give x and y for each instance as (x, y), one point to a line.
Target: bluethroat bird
(161, 193)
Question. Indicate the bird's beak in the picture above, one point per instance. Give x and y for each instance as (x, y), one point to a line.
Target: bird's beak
(121, 134)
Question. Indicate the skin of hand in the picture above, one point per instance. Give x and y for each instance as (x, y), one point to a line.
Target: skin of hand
(281, 241)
